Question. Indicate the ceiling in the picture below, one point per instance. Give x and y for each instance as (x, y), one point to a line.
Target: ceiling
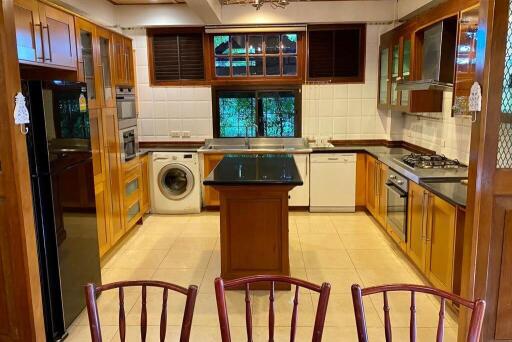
(144, 2)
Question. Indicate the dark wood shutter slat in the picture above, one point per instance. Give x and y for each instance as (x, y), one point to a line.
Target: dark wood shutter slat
(320, 54)
(178, 57)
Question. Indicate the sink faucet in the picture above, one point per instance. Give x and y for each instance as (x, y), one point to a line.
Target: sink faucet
(247, 133)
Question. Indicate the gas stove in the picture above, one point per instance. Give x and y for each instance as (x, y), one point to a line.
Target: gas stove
(434, 161)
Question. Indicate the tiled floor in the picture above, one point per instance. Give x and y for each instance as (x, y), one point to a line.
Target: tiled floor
(339, 248)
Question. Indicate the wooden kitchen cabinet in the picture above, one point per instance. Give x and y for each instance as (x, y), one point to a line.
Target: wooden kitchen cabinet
(102, 210)
(383, 96)
(417, 222)
(211, 196)
(431, 235)
(105, 65)
(123, 60)
(132, 193)
(144, 166)
(58, 36)
(376, 191)
(440, 240)
(28, 31)
(87, 53)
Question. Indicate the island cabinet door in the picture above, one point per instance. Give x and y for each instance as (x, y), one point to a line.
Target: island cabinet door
(417, 222)
(440, 239)
(28, 31)
(371, 185)
(211, 196)
(299, 196)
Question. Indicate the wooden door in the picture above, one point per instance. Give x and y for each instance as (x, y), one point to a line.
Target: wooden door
(119, 60)
(59, 40)
(115, 184)
(488, 255)
(102, 213)
(20, 290)
(211, 196)
(371, 185)
(417, 221)
(28, 31)
(87, 53)
(145, 183)
(440, 239)
(105, 66)
(382, 193)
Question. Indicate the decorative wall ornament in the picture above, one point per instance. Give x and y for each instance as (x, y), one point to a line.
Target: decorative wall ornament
(21, 115)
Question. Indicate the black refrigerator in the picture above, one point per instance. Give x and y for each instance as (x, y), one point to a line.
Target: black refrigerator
(60, 156)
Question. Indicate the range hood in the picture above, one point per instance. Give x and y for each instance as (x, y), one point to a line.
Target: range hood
(438, 58)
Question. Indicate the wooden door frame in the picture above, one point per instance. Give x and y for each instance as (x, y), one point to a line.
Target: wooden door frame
(489, 191)
(24, 303)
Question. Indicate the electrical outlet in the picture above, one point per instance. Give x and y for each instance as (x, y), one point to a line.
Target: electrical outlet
(175, 134)
(185, 134)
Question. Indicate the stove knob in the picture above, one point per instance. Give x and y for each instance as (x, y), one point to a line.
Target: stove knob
(400, 182)
(392, 177)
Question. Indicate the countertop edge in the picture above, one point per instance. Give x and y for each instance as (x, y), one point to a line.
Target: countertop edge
(451, 200)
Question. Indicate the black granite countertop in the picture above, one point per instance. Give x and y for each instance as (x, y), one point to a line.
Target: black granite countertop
(255, 169)
(185, 149)
(454, 192)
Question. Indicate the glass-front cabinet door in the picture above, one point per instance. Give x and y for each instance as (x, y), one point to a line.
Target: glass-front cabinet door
(395, 76)
(105, 67)
(384, 77)
(406, 70)
(86, 37)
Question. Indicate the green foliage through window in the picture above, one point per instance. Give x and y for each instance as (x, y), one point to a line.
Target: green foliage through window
(274, 113)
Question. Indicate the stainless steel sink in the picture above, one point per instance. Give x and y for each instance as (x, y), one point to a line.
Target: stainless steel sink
(227, 147)
(270, 145)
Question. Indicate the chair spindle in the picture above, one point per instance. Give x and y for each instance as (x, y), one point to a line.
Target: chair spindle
(440, 325)
(122, 318)
(163, 317)
(144, 315)
(248, 313)
(412, 324)
(294, 314)
(271, 314)
(387, 320)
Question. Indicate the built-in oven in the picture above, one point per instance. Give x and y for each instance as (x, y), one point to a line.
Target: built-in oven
(129, 143)
(397, 204)
(126, 108)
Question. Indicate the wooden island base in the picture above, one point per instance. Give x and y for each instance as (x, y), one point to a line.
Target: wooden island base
(254, 231)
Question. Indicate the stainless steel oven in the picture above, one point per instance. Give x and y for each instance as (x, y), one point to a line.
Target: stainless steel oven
(129, 143)
(397, 204)
(126, 109)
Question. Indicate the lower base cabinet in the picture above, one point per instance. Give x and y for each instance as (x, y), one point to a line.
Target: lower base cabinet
(431, 236)
(299, 196)
(211, 196)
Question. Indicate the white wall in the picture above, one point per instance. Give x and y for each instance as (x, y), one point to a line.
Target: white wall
(156, 15)
(100, 11)
(405, 7)
(441, 132)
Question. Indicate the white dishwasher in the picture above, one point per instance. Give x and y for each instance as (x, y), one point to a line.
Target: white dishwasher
(333, 182)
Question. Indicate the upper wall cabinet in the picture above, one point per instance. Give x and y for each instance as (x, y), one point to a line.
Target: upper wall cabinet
(105, 64)
(45, 35)
(87, 51)
(123, 61)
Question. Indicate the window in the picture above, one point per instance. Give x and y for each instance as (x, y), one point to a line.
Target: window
(176, 55)
(257, 113)
(256, 55)
(337, 52)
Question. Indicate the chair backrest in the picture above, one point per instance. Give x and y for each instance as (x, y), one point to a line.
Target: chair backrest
(91, 291)
(477, 306)
(245, 283)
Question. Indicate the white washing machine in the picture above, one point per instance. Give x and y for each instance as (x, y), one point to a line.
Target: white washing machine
(175, 183)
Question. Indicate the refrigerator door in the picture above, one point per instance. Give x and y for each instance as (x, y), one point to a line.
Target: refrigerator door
(63, 183)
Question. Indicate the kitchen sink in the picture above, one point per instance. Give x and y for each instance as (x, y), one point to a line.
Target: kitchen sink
(227, 147)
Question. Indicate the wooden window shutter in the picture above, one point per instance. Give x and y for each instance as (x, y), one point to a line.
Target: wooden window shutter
(320, 53)
(191, 56)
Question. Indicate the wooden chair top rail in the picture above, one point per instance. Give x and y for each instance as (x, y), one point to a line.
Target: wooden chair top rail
(228, 284)
(151, 283)
(417, 288)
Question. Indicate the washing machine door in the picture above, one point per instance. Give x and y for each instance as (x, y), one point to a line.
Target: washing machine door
(175, 181)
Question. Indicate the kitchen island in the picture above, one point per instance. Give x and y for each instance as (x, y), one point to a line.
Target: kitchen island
(254, 213)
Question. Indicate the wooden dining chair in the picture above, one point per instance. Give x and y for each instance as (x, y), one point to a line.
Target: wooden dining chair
(91, 291)
(358, 293)
(245, 283)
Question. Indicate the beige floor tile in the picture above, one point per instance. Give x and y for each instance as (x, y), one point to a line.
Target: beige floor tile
(144, 241)
(365, 241)
(340, 312)
(183, 277)
(296, 259)
(385, 275)
(402, 334)
(283, 308)
(340, 279)
(175, 308)
(205, 334)
(140, 259)
(191, 243)
(167, 219)
(191, 259)
(314, 224)
(375, 259)
(201, 230)
(152, 334)
(207, 284)
(315, 242)
(327, 259)
(82, 333)
(124, 274)
(206, 309)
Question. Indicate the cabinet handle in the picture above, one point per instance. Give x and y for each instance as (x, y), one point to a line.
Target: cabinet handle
(423, 216)
(307, 165)
(428, 236)
(47, 28)
(40, 32)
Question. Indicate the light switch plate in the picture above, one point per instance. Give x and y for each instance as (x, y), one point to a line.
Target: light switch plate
(185, 134)
(175, 134)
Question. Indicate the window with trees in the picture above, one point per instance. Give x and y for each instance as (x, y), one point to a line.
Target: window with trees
(257, 113)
